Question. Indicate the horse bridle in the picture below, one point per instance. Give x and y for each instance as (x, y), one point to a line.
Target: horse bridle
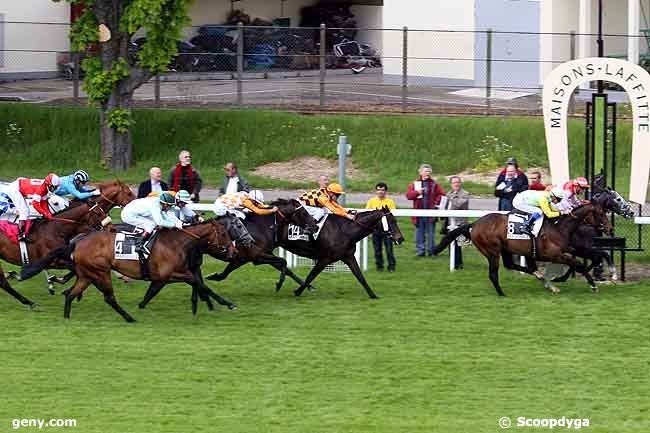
(384, 224)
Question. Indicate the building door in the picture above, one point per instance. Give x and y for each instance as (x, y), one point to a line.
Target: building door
(515, 55)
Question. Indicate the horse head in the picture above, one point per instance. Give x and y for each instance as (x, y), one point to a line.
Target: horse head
(294, 212)
(115, 193)
(381, 221)
(595, 216)
(612, 201)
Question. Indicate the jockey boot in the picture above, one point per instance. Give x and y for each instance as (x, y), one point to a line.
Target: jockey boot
(141, 247)
(21, 231)
(528, 224)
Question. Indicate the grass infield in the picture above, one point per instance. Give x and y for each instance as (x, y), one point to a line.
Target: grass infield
(439, 352)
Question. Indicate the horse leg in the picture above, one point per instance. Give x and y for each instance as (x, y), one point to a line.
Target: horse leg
(568, 259)
(530, 268)
(79, 286)
(351, 261)
(232, 266)
(207, 291)
(106, 287)
(317, 269)
(61, 280)
(7, 288)
(277, 262)
(493, 261)
(152, 291)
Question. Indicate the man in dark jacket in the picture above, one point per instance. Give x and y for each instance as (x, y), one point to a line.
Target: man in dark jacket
(154, 184)
(508, 185)
(184, 176)
(233, 182)
(426, 194)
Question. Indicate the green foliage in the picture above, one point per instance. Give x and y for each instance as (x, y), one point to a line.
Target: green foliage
(83, 32)
(491, 153)
(120, 119)
(14, 134)
(100, 82)
(163, 22)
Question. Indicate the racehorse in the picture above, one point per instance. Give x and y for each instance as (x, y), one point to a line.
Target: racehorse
(337, 241)
(264, 229)
(175, 257)
(47, 235)
(489, 235)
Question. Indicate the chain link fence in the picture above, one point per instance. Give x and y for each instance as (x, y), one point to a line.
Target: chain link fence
(348, 69)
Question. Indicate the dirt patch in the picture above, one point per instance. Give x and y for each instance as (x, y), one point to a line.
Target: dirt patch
(306, 169)
(488, 178)
(636, 272)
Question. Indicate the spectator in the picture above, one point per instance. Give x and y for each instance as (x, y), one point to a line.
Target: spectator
(426, 194)
(380, 238)
(323, 181)
(513, 161)
(233, 182)
(154, 184)
(536, 181)
(508, 185)
(184, 176)
(457, 199)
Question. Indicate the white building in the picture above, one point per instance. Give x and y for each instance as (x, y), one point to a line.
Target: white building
(521, 59)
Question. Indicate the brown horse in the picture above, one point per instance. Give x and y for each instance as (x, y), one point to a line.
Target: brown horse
(47, 235)
(489, 235)
(176, 257)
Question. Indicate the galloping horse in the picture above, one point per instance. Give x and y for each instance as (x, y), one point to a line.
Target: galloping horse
(337, 241)
(264, 229)
(489, 235)
(47, 235)
(176, 257)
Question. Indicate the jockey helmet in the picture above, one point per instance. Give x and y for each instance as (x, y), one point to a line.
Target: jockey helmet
(581, 181)
(53, 180)
(81, 176)
(557, 193)
(256, 195)
(167, 198)
(183, 196)
(335, 188)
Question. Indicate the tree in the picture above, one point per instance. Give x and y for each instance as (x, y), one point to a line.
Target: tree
(113, 71)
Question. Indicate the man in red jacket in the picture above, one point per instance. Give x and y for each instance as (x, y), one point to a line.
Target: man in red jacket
(426, 194)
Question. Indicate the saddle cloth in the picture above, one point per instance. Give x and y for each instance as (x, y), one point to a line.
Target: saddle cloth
(125, 245)
(297, 233)
(516, 222)
(10, 230)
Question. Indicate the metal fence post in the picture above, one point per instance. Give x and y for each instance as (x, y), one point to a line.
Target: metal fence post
(572, 54)
(156, 90)
(488, 68)
(240, 63)
(75, 76)
(323, 43)
(405, 79)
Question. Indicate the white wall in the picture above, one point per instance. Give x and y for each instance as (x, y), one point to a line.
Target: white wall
(369, 17)
(216, 11)
(423, 15)
(31, 36)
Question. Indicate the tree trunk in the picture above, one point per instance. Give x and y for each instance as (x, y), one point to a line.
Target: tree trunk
(117, 147)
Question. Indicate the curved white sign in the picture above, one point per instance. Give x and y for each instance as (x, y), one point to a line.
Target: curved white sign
(558, 88)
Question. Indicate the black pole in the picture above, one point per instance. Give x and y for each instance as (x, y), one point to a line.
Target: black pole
(601, 45)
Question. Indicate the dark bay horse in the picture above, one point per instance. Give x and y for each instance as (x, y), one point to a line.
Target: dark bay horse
(47, 235)
(489, 235)
(337, 241)
(175, 257)
(265, 230)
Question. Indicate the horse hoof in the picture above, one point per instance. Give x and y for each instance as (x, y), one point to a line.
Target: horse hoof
(297, 292)
(51, 291)
(555, 290)
(141, 306)
(594, 290)
(311, 289)
(130, 319)
(34, 307)
(232, 307)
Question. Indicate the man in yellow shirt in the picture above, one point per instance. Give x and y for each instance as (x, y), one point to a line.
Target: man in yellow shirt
(378, 239)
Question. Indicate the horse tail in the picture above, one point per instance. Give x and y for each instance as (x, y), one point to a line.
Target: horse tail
(36, 267)
(451, 236)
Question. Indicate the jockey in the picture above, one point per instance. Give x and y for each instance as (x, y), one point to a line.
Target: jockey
(569, 191)
(75, 185)
(319, 201)
(181, 210)
(234, 204)
(14, 194)
(149, 213)
(535, 203)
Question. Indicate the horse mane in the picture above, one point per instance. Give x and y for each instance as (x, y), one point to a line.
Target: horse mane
(281, 202)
